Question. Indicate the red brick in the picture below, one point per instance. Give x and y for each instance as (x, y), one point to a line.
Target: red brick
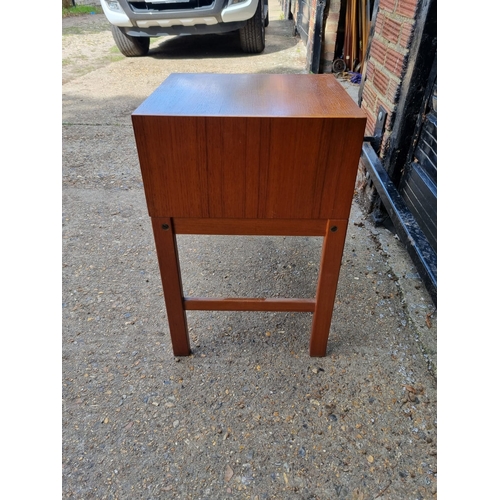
(369, 96)
(370, 123)
(329, 46)
(333, 17)
(394, 62)
(335, 5)
(327, 62)
(312, 20)
(391, 30)
(389, 5)
(406, 33)
(407, 8)
(331, 29)
(380, 81)
(389, 121)
(369, 71)
(377, 51)
(392, 90)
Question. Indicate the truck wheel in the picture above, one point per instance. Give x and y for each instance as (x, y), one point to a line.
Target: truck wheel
(253, 34)
(130, 46)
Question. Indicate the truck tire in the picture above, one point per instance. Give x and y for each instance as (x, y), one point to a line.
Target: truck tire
(130, 46)
(253, 34)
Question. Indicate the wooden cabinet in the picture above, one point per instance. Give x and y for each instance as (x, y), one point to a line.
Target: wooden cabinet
(249, 154)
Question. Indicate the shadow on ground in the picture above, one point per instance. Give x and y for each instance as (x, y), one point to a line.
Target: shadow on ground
(223, 45)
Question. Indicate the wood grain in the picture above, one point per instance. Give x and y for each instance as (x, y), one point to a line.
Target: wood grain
(256, 227)
(249, 155)
(168, 260)
(249, 304)
(250, 95)
(246, 146)
(329, 270)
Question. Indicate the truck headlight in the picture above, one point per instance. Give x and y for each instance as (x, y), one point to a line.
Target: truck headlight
(114, 5)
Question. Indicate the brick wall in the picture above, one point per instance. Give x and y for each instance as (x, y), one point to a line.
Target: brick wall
(385, 69)
(332, 15)
(310, 36)
(386, 63)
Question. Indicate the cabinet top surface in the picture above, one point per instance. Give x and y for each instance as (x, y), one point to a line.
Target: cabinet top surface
(250, 95)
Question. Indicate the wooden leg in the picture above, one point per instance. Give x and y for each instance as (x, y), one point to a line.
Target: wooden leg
(168, 260)
(331, 258)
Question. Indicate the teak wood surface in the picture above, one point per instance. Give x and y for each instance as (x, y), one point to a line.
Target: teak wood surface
(254, 155)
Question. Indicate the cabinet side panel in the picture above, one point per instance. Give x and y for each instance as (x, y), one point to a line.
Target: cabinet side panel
(233, 159)
(342, 158)
(293, 168)
(240, 167)
(173, 159)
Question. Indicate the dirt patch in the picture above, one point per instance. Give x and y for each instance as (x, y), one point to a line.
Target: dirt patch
(87, 44)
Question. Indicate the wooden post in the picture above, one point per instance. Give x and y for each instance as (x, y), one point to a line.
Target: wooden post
(329, 270)
(170, 271)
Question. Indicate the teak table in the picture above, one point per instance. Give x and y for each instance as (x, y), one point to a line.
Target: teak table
(249, 154)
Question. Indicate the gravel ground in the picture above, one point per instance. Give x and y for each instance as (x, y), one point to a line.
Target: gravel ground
(249, 415)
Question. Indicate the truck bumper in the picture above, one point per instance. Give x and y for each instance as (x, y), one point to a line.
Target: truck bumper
(240, 11)
(118, 18)
(214, 19)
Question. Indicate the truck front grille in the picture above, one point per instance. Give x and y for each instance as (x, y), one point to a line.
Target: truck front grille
(149, 7)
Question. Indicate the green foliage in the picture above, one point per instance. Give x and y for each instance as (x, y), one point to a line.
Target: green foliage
(81, 10)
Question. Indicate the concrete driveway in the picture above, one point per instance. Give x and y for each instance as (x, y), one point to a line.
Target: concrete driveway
(249, 414)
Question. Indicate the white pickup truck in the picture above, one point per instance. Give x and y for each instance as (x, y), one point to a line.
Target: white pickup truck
(134, 22)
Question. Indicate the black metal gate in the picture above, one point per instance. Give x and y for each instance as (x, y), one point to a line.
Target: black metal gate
(418, 185)
(406, 177)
